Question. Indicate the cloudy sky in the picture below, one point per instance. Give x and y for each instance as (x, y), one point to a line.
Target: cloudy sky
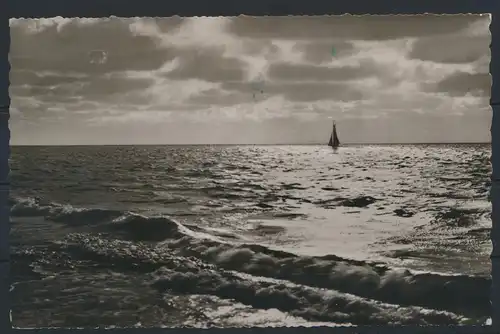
(394, 79)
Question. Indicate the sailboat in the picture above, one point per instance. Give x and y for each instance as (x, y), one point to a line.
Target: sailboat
(334, 139)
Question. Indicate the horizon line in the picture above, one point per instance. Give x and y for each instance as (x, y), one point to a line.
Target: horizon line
(253, 144)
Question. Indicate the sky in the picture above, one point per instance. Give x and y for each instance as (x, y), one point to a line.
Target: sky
(250, 80)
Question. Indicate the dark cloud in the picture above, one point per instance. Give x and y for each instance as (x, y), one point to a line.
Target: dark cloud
(170, 107)
(68, 48)
(299, 72)
(462, 83)
(209, 65)
(317, 52)
(216, 97)
(303, 92)
(87, 105)
(31, 108)
(60, 88)
(261, 47)
(316, 92)
(27, 77)
(367, 27)
(451, 49)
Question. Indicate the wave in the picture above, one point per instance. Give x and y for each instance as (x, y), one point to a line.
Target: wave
(191, 260)
(298, 300)
(182, 275)
(34, 207)
(463, 294)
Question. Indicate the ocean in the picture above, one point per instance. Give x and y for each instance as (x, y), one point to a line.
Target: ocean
(244, 236)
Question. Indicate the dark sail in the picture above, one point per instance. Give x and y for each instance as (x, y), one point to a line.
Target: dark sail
(334, 139)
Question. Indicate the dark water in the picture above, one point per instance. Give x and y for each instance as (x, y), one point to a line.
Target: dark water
(250, 236)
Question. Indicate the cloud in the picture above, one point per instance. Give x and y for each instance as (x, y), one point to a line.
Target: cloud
(461, 83)
(304, 72)
(347, 27)
(218, 98)
(235, 73)
(302, 92)
(62, 87)
(451, 49)
(319, 52)
(209, 65)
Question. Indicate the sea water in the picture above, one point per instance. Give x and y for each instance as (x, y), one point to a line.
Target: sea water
(201, 236)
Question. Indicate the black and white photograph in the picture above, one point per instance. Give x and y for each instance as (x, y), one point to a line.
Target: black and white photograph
(250, 171)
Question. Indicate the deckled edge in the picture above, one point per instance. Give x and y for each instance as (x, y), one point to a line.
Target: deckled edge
(201, 8)
(5, 321)
(193, 8)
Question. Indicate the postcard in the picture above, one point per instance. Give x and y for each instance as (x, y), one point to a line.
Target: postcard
(250, 171)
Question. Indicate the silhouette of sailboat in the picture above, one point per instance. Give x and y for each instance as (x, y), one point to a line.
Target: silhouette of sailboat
(334, 138)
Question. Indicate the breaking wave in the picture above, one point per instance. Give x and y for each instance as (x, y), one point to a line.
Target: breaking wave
(182, 259)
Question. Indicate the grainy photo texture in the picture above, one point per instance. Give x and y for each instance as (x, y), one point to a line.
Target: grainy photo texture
(236, 172)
